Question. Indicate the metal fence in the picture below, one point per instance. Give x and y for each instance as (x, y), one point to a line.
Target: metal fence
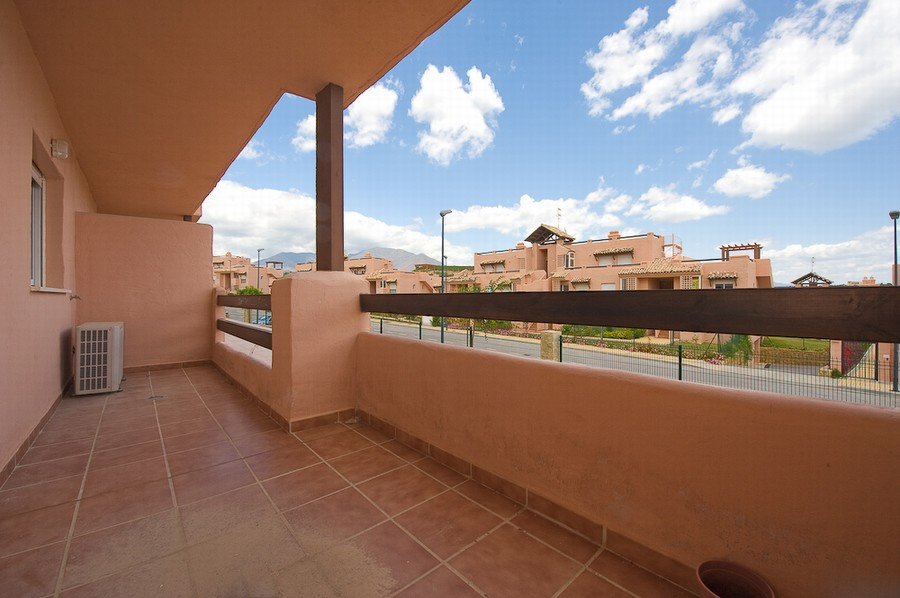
(858, 372)
(263, 317)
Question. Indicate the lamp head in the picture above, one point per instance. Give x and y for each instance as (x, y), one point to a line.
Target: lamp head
(894, 214)
(445, 212)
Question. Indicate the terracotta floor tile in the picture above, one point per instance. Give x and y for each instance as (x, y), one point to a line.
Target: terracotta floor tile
(122, 425)
(31, 573)
(114, 549)
(39, 496)
(633, 578)
(213, 516)
(372, 434)
(303, 486)
(401, 489)
(121, 505)
(122, 476)
(254, 425)
(193, 440)
(46, 471)
(82, 423)
(168, 577)
(393, 550)
(441, 472)
(126, 439)
(559, 538)
(67, 434)
(35, 528)
(590, 585)
(366, 463)
(198, 424)
(126, 454)
(201, 458)
(440, 582)
(332, 519)
(244, 560)
(403, 451)
(447, 523)
(254, 444)
(489, 499)
(37, 454)
(203, 483)
(337, 445)
(320, 431)
(510, 563)
(281, 461)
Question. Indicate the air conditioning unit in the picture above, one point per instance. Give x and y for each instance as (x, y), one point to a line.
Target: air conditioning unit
(98, 357)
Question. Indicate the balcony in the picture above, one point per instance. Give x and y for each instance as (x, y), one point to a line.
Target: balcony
(195, 492)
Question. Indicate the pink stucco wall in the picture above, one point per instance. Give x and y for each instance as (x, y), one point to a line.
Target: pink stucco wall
(802, 491)
(153, 275)
(34, 356)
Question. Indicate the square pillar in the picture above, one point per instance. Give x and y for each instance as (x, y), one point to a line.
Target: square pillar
(330, 179)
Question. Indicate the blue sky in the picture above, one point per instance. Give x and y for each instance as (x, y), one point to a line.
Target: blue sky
(718, 121)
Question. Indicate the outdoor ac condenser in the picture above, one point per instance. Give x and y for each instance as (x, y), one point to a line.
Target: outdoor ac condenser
(98, 357)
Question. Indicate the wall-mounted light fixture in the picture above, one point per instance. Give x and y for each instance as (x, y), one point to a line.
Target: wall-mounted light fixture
(59, 148)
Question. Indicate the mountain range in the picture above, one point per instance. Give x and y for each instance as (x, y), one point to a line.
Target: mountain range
(403, 260)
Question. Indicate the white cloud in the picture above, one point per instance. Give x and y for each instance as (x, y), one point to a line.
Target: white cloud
(629, 56)
(460, 117)
(593, 215)
(697, 182)
(252, 151)
(640, 168)
(369, 118)
(868, 254)
(838, 86)
(622, 129)
(748, 181)
(726, 114)
(520, 40)
(245, 219)
(305, 138)
(702, 163)
(664, 204)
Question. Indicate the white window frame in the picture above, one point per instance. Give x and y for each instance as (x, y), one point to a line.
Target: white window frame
(626, 258)
(38, 226)
(722, 283)
(570, 260)
(605, 259)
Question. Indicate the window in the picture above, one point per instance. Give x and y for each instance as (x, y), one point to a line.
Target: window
(570, 259)
(629, 284)
(488, 268)
(581, 286)
(563, 286)
(243, 279)
(392, 287)
(499, 267)
(218, 265)
(690, 282)
(37, 227)
(723, 284)
(605, 260)
(625, 258)
(608, 286)
(358, 270)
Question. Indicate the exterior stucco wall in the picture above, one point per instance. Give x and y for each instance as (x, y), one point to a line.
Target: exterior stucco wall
(797, 489)
(35, 360)
(153, 275)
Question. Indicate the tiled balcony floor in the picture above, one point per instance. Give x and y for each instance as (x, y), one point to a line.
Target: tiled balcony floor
(197, 493)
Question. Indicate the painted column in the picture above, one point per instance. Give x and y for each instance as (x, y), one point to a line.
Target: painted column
(330, 179)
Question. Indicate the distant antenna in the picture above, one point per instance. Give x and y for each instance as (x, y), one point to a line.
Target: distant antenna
(812, 265)
(558, 216)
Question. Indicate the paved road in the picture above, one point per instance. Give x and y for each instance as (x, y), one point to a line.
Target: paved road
(744, 377)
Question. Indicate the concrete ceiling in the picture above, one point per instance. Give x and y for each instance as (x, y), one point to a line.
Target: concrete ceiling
(158, 97)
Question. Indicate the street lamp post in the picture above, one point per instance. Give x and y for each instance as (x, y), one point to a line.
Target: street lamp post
(894, 214)
(443, 261)
(258, 251)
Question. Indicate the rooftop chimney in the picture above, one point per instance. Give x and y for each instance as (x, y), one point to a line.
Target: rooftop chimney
(613, 235)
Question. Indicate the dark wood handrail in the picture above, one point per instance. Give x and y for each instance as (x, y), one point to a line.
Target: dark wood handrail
(246, 301)
(258, 335)
(843, 313)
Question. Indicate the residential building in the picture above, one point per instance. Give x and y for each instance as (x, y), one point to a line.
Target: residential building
(555, 261)
(383, 277)
(235, 272)
(322, 465)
